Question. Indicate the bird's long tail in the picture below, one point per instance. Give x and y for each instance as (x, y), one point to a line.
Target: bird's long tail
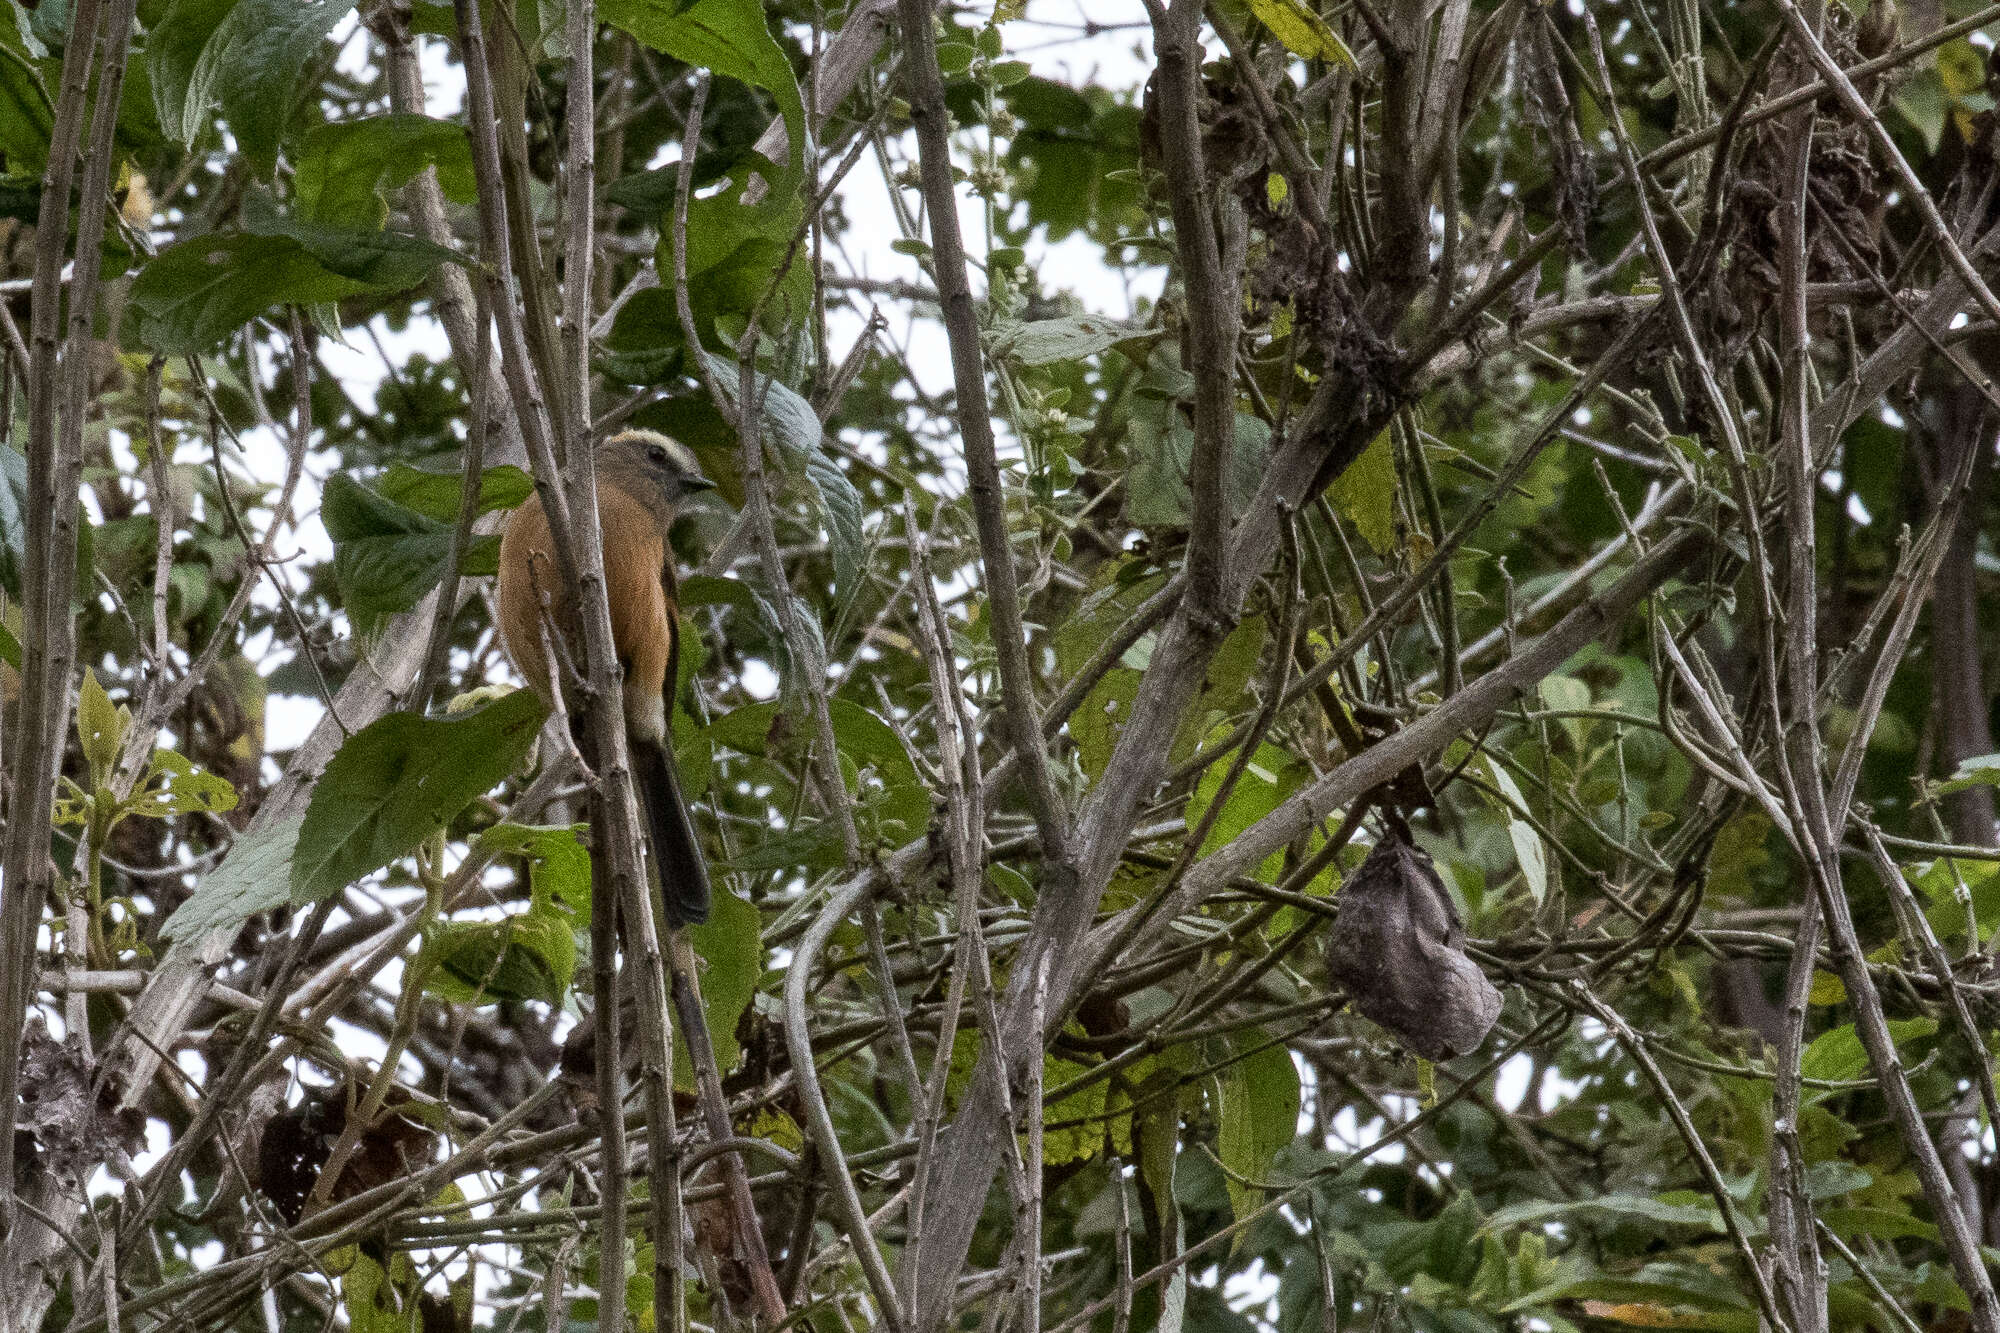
(676, 851)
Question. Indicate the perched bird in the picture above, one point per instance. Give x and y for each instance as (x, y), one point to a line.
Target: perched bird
(641, 479)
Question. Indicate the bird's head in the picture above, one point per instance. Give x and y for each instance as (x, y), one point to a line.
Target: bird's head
(657, 468)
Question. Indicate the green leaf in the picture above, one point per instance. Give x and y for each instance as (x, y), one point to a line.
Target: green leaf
(1922, 102)
(345, 170)
(558, 860)
(1074, 1143)
(1071, 338)
(797, 429)
(1939, 883)
(183, 82)
(790, 419)
(10, 648)
(174, 786)
(1303, 32)
(865, 741)
(775, 1126)
(728, 37)
(192, 295)
(529, 956)
(1652, 1292)
(254, 61)
(378, 1300)
(1528, 849)
(735, 251)
(1259, 1115)
(255, 877)
(27, 116)
(1267, 780)
(1365, 494)
(1882, 1223)
(389, 260)
(386, 557)
(1160, 444)
(1617, 1207)
(1980, 770)
(731, 944)
(400, 780)
(1156, 1122)
(1831, 1179)
(841, 503)
(1838, 1056)
(100, 727)
(435, 494)
(13, 517)
(794, 426)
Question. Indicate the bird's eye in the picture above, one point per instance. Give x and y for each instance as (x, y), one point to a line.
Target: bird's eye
(658, 454)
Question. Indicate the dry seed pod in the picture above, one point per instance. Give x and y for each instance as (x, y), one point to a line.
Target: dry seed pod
(1398, 950)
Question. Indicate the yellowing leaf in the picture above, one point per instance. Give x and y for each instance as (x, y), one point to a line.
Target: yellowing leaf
(1643, 1315)
(777, 1127)
(1365, 494)
(1303, 32)
(1075, 1143)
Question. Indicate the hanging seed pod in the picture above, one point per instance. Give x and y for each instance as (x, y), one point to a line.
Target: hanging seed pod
(1398, 949)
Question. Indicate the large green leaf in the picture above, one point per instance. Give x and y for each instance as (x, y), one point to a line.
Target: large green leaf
(1259, 1115)
(1270, 776)
(192, 295)
(1838, 1056)
(400, 780)
(436, 494)
(1365, 494)
(866, 742)
(345, 170)
(253, 61)
(728, 37)
(1077, 1142)
(1616, 1207)
(26, 115)
(174, 786)
(792, 424)
(1303, 31)
(1069, 338)
(730, 944)
(14, 528)
(1939, 882)
(387, 556)
(255, 877)
(558, 860)
(1528, 849)
(529, 956)
(1160, 444)
(183, 83)
(735, 251)
(390, 260)
(1980, 770)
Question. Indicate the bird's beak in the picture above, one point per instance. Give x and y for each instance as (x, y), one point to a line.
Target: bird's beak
(695, 482)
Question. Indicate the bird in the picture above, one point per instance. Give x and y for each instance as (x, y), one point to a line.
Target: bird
(642, 478)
